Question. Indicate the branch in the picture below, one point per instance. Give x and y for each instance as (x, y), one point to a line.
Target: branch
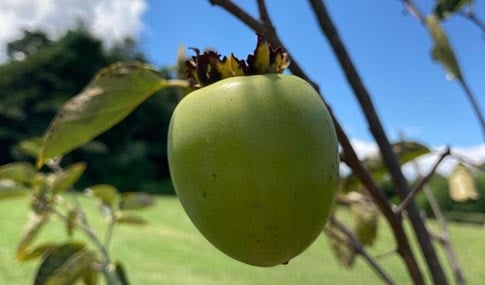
(415, 11)
(422, 182)
(474, 102)
(386, 254)
(470, 15)
(359, 248)
(375, 125)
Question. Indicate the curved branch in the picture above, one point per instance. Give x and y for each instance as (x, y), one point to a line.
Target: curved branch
(377, 130)
(470, 15)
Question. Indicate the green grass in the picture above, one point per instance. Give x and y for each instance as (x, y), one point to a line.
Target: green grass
(169, 250)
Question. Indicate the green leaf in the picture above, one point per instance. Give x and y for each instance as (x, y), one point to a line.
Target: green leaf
(22, 172)
(444, 8)
(11, 189)
(108, 194)
(133, 201)
(442, 50)
(407, 151)
(365, 220)
(29, 254)
(111, 96)
(64, 265)
(341, 246)
(31, 146)
(121, 272)
(90, 277)
(66, 179)
(125, 218)
(33, 227)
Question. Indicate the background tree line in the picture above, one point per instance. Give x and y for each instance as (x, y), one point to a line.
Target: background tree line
(41, 74)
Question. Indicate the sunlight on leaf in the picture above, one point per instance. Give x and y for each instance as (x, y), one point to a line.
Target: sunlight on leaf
(134, 201)
(125, 218)
(23, 172)
(36, 252)
(11, 189)
(30, 146)
(111, 96)
(108, 194)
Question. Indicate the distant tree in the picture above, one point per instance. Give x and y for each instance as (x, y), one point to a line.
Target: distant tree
(42, 74)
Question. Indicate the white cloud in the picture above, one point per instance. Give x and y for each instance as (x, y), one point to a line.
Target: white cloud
(474, 154)
(111, 20)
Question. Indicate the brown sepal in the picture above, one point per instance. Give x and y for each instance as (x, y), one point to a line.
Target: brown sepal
(208, 67)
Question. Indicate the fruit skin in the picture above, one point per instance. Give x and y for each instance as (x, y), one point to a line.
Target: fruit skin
(254, 162)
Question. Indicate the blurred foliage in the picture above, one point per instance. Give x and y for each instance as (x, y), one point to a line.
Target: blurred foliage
(42, 74)
(440, 187)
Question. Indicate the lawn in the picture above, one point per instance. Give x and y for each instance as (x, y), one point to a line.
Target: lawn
(169, 250)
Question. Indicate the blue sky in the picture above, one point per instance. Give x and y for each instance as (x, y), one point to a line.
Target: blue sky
(390, 49)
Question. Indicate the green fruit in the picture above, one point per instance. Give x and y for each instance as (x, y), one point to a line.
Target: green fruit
(254, 162)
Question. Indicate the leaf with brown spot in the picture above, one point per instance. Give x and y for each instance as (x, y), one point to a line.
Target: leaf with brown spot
(111, 96)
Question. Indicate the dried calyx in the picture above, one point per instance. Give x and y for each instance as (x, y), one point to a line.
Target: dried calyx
(208, 67)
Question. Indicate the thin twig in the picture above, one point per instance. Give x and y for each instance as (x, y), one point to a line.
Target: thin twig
(354, 79)
(109, 231)
(87, 230)
(386, 254)
(415, 11)
(470, 15)
(422, 182)
(359, 248)
(474, 102)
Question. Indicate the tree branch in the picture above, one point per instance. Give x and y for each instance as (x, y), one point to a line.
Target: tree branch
(474, 102)
(414, 10)
(421, 183)
(470, 15)
(359, 248)
(390, 159)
